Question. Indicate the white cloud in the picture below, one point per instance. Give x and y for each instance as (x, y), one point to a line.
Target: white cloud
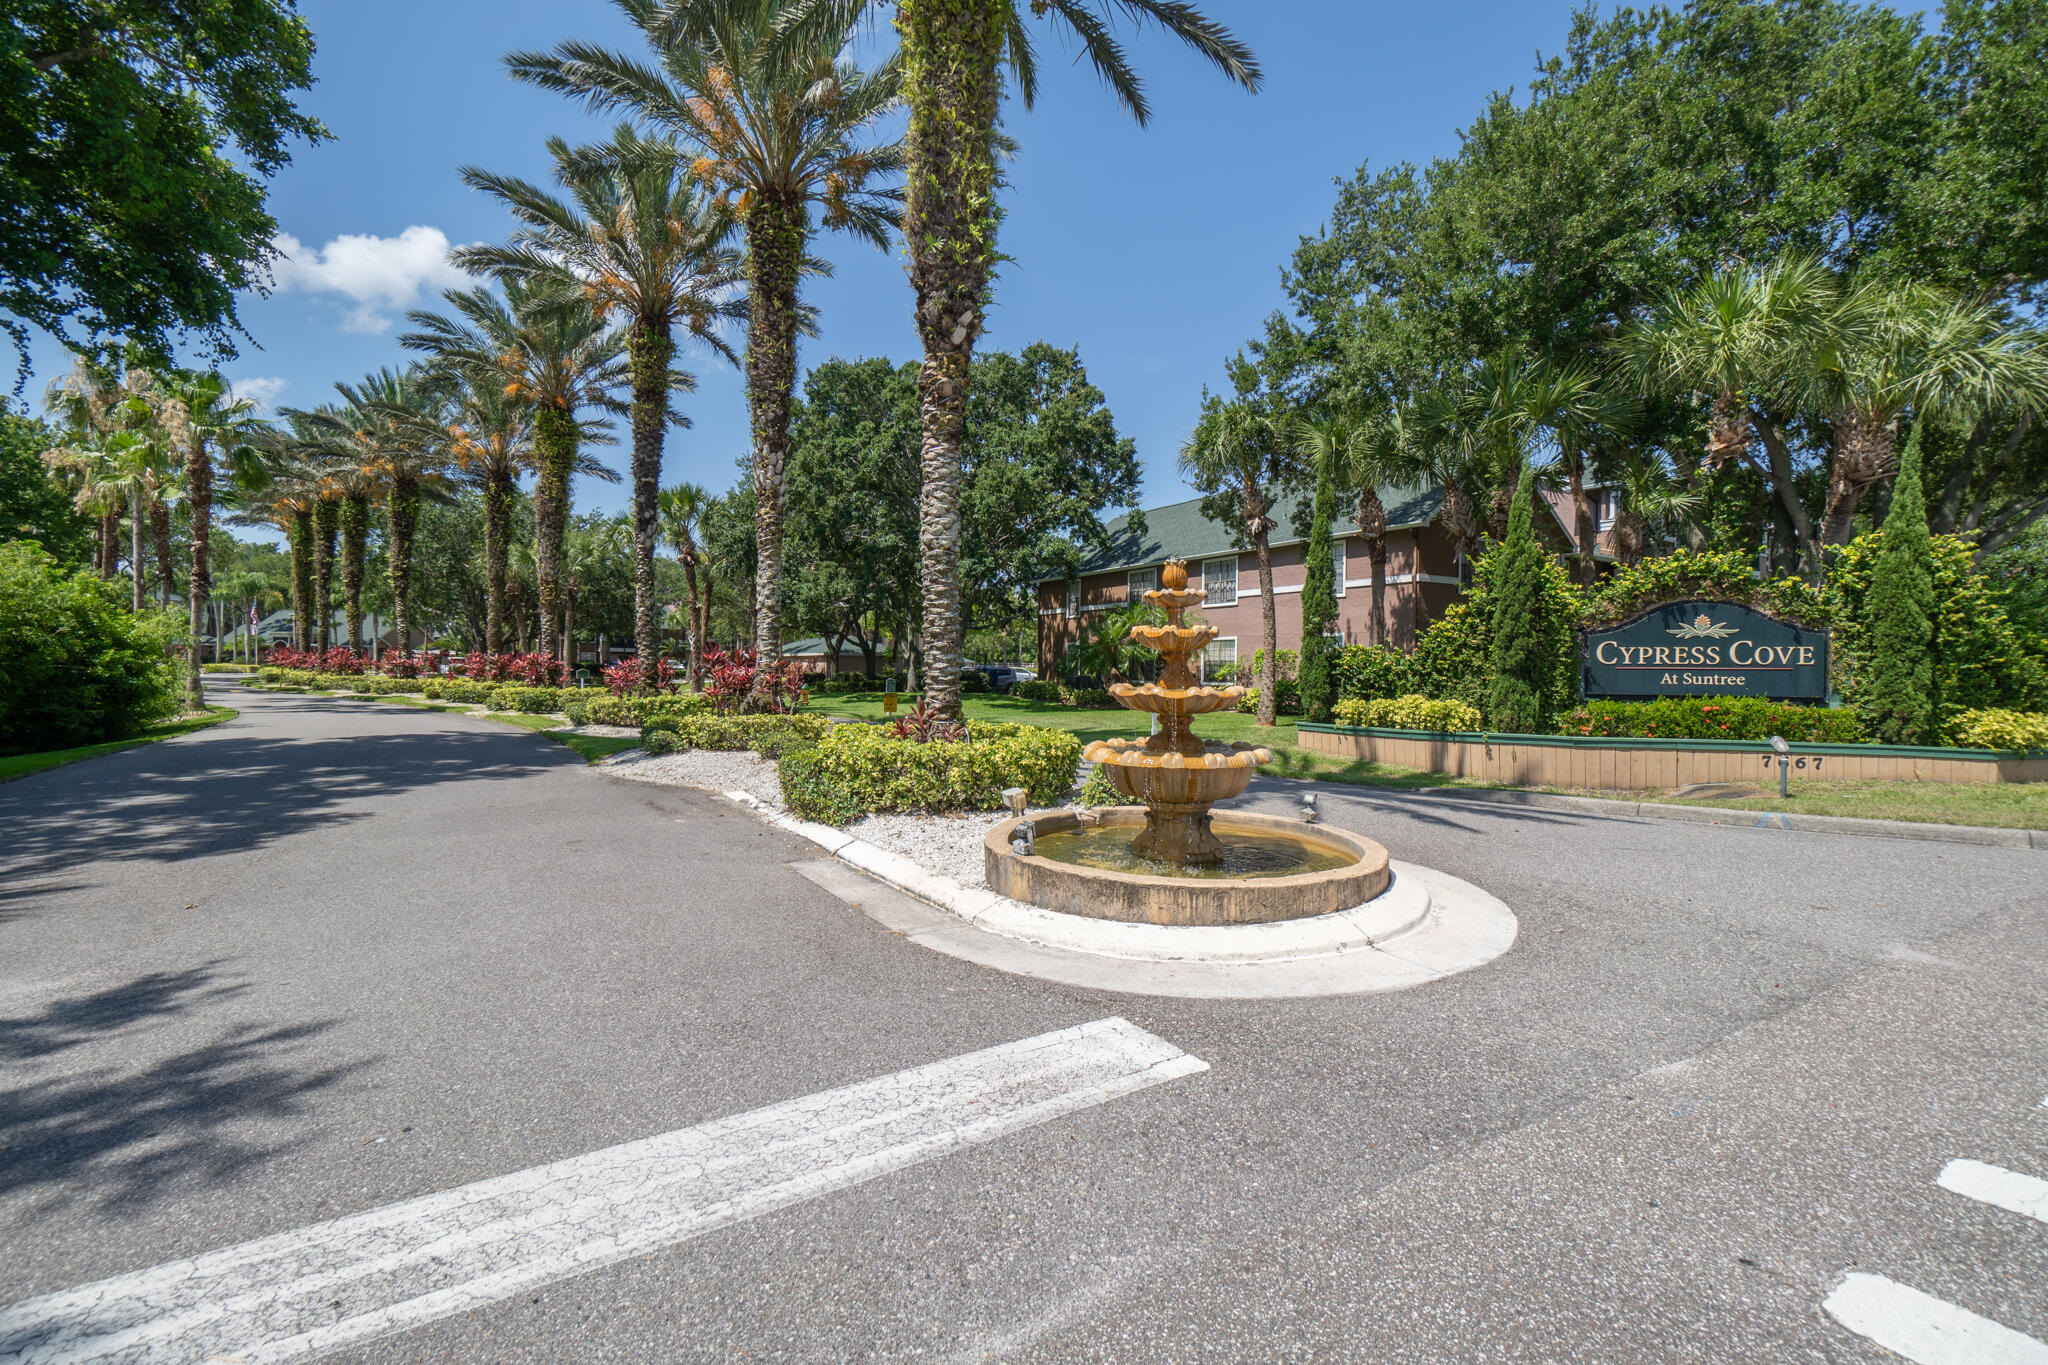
(262, 390)
(378, 274)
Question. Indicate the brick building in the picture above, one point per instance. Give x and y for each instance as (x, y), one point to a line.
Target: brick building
(1425, 573)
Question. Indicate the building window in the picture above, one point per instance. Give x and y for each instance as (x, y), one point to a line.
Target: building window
(1610, 507)
(1337, 564)
(1138, 582)
(1219, 580)
(1219, 659)
(1073, 600)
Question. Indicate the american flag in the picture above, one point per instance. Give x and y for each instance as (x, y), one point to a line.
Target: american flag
(252, 616)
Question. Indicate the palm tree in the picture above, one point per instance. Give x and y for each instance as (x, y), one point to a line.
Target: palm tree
(490, 441)
(286, 502)
(1381, 452)
(1898, 349)
(682, 511)
(782, 122)
(325, 444)
(1741, 337)
(950, 50)
(1234, 453)
(639, 237)
(201, 418)
(1652, 501)
(1109, 652)
(91, 404)
(556, 356)
(246, 588)
(586, 550)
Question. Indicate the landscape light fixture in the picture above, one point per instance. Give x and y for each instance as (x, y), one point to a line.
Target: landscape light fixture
(1784, 753)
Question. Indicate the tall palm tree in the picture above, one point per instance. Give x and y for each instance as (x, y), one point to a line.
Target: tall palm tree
(559, 358)
(286, 503)
(490, 439)
(205, 422)
(325, 445)
(783, 123)
(92, 405)
(1652, 500)
(1235, 453)
(637, 235)
(951, 51)
(682, 510)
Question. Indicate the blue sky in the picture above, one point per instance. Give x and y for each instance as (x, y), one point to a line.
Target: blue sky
(1156, 251)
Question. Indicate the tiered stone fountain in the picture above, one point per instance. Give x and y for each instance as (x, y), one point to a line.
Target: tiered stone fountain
(1171, 859)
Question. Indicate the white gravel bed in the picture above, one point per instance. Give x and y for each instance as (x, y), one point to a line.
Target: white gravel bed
(607, 731)
(950, 844)
(710, 769)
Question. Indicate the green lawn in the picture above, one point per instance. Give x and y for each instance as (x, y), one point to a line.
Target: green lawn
(2005, 805)
(21, 765)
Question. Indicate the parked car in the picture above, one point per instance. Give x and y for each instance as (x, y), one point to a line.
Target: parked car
(1003, 677)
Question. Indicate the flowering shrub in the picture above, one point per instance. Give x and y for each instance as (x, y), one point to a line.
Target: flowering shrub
(859, 769)
(533, 670)
(765, 734)
(1412, 712)
(1994, 728)
(1713, 718)
(729, 681)
(628, 676)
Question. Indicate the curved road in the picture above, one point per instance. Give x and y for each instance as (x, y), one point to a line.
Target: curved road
(330, 956)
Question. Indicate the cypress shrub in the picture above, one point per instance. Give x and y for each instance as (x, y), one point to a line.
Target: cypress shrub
(1515, 691)
(1318, 602)
(1896, 698)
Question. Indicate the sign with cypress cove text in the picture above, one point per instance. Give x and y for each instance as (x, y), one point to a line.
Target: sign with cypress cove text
(1688, 649)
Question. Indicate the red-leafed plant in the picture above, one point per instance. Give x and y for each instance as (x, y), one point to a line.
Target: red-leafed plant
(342, 659)
(627, 676)
(926, 726)
(729, 680)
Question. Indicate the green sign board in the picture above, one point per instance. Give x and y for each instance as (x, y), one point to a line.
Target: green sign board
(1685, 649)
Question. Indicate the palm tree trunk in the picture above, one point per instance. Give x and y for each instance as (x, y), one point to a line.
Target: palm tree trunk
(302, 578)
(1269, 628)
(355, 542)
(1372, 525)
(404, 519)
(569, 627)
(1583, 529)
(326, 524)
(554, 442)
(692, 621)
(499, 491)
(135, 517)
(649, 350)
(950, 49)
(199, 497)
(775, 251)
(166, 570)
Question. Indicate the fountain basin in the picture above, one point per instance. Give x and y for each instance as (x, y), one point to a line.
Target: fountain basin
(1194, 895)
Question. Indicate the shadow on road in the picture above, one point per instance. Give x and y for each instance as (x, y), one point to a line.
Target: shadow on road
(228, 790)
(123, 1134)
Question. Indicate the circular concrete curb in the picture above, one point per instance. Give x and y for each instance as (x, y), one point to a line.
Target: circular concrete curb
(1437, 926)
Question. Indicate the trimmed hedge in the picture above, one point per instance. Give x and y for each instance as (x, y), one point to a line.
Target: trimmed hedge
(537, 701)
(1037, 689)
(227, 668)
(466, 690)
(860, 770)
(764, 734)
(1713, 718)
(1087, 698)
(1996, 728)
(601, 708)
(1412, 712)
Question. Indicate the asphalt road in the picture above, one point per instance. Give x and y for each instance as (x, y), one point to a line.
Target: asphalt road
(333, 955)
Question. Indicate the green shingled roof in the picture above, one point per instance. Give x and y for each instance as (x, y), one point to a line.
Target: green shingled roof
(1180, 531)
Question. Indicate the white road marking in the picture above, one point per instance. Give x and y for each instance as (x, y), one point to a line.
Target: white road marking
(302, 1293)
(1924, 1329)
(1995, 1185)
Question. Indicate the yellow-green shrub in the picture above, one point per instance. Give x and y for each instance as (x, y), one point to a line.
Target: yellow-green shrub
(764, 734)
(1412, 712)
(1995, 728)
(857, 770)
(458, 689)
(537, 701)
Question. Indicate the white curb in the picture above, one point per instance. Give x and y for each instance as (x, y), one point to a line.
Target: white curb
(1427, 925)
